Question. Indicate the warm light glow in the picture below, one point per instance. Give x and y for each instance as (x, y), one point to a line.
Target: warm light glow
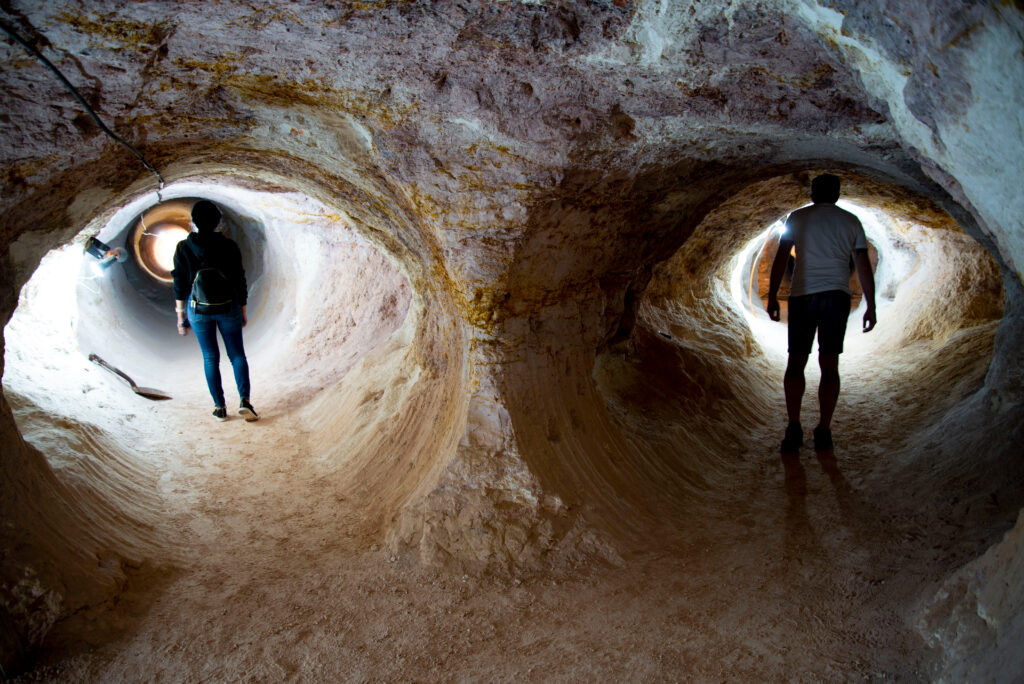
(166, 242)
(743, 274)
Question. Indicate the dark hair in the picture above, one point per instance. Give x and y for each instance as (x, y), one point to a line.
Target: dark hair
(205, 215)
(825, 188)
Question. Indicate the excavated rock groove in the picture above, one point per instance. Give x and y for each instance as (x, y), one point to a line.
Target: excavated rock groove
(518, 391)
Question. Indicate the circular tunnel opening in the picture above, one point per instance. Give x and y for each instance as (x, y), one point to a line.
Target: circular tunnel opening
(356, 373)
(701, 379)
(931, 280)
(156, 236)
(321, 298)
(356, 362)
(749, 280)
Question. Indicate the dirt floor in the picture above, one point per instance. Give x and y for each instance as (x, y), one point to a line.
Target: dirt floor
(802, 575)
(805, 568)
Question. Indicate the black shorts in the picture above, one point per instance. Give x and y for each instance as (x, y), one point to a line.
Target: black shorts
(824, 312)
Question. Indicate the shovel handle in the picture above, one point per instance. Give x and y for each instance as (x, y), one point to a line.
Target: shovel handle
(100, 362)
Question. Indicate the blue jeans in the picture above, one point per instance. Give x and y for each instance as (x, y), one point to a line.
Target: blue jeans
(230, 325)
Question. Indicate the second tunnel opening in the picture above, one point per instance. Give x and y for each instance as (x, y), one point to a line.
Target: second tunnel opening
(322, 298)
(701, 381)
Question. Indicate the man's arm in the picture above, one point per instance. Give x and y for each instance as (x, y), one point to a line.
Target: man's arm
(778, 270)
(867, 285)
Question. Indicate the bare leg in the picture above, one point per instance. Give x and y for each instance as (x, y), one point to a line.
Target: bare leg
(828, 390)
(794, 385)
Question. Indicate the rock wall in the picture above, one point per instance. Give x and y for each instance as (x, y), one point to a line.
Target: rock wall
(527, 166)
(974, 617)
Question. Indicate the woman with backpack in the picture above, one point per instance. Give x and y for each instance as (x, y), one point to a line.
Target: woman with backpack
(208, 274)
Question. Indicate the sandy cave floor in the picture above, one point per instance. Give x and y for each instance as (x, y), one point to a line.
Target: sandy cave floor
(797, 578)
(796, 569)
(274, 588)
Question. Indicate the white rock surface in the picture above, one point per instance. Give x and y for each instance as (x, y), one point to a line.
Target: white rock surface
(485, 214)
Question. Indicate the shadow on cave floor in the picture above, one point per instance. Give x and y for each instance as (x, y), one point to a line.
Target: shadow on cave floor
(765, 568)
(869, 525)
(724, 421)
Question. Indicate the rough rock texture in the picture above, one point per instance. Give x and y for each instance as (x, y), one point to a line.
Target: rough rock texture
(975, 617)
(564, 188)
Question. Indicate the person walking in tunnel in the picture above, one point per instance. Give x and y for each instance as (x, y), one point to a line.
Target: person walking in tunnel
(208, 274)
(825, 238)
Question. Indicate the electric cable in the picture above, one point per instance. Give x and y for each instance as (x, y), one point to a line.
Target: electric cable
(67, 84)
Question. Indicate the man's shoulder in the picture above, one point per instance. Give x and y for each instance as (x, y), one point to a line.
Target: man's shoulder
(230, 248)
(222, 240)
(799, 217)
(829, 213)
(801, 212)
(834, 211)
(848, 215)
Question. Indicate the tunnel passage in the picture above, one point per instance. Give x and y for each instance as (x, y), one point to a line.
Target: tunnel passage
(336, 343)
(652, 427)
(758, 265)
(708, 361)
(473, 121)
(314, 285)
(357, 373)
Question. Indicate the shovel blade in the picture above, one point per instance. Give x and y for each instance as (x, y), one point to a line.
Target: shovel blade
(150, 393)
(147, 392)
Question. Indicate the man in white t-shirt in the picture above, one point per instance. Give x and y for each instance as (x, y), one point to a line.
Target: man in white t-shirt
(825, 238)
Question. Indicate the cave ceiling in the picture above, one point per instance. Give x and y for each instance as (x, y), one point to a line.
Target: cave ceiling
(574, 140)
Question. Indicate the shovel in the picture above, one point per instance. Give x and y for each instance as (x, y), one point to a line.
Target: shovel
(149, 393)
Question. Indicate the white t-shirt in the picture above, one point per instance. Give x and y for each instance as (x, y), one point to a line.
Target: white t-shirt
(825, 237)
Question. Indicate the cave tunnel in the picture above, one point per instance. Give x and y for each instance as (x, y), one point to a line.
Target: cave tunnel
(520, 400)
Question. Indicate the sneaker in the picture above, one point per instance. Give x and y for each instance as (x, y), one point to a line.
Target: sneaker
(794, 438)
(822, 439)
(246, 410)
(220, 413)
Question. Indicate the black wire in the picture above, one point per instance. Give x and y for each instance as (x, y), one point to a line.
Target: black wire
(67, 84)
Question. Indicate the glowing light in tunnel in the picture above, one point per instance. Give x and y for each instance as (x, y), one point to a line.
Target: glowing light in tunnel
(157, 233)
(167, 239)
(46, 320)
(743, 279)
(742, 274)
(67, 311)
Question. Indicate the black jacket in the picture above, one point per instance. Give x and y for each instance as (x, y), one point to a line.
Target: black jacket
(211, 249)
